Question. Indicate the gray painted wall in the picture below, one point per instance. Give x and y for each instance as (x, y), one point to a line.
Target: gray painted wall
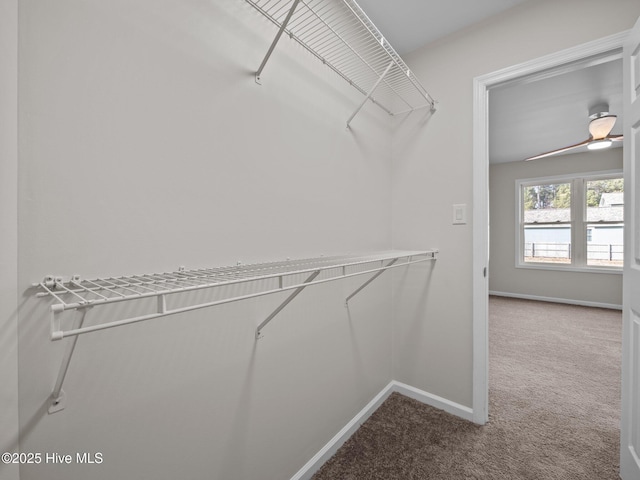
(432, 159)
(146, 145)
(504, 277)
(9, 429)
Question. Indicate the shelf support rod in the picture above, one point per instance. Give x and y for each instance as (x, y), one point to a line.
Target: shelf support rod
(57, 396)
(276, 39)
(375, 85)
(285, 303)
(359, 289)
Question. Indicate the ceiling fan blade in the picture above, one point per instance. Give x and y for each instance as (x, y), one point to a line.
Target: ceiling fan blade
(557, 151)
(600, 127)
(615, 138)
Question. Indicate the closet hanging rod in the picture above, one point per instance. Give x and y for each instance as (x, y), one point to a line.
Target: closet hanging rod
(342, 36)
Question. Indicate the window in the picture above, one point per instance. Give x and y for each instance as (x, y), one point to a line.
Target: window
(571, 222)
(547, 223)
(605, 220)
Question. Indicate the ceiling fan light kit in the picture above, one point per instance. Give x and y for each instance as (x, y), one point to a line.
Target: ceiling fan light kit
(599, 144)
(600, 128)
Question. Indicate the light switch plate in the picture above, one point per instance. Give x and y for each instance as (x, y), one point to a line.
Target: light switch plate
(460, 214)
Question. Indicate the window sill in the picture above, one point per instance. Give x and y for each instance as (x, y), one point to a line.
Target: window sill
(570, 268)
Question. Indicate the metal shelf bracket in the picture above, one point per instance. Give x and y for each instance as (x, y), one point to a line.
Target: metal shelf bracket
(285, 302)
(58, 397)
(375, 85)
(276, 40)
(361, 287)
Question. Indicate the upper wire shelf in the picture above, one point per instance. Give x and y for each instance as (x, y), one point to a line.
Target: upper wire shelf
(342, 36)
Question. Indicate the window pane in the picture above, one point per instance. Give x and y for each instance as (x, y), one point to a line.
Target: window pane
(547, 223)
(605, 217)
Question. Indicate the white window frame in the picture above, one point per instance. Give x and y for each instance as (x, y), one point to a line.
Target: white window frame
(579, 223)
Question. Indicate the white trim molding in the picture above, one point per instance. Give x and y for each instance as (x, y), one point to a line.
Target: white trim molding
(591, 53)
(326, 452)
(567, 301)
(332, 446)
(427, 398)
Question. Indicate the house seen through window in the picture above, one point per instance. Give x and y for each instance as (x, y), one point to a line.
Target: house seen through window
(575, 222)
(605, 220)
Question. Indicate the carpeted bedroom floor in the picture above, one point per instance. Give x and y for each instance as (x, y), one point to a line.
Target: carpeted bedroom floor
(554, 402)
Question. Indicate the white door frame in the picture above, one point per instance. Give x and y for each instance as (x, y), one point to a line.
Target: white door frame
(566, 60)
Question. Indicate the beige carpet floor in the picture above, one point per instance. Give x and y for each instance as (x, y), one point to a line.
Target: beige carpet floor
(554, 402)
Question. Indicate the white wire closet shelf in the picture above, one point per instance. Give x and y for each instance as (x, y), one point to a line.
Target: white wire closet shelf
(77, 293)
(81, 295)
(342, 36)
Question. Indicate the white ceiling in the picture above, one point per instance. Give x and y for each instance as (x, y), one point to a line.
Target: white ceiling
(409, 24)
(525, 118)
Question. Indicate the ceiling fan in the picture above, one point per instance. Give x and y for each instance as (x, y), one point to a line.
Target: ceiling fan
(600, 128)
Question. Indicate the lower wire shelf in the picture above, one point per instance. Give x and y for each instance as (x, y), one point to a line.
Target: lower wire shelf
(78, 294)
(81, 295)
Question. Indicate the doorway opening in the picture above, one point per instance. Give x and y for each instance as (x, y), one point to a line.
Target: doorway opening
(567, 61)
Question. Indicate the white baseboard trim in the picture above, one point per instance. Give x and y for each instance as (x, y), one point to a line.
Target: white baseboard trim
(326, 452)
(433, 400)
(568, 301)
